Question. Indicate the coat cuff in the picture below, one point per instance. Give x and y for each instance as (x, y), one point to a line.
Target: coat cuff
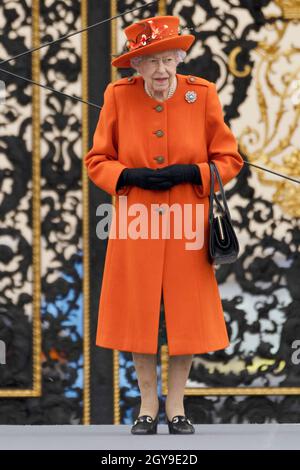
(124, 189)
(106, 175)
(203, 189)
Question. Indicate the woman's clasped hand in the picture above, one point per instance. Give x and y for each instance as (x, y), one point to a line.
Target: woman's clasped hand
(160, 178)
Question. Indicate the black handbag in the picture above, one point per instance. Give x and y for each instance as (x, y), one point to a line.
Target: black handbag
(223, 242)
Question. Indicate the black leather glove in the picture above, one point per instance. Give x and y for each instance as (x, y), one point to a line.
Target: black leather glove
(182, 173)
(146, 178)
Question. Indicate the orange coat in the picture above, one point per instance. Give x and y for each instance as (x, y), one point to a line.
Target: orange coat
(136, 270)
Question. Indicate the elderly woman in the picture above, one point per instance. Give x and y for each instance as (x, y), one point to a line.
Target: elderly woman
(156, 133)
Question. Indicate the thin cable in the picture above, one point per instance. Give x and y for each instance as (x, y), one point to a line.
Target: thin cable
(52, 89)
(74, 33)
(100, 107)
(274, 172)
(89, 103)
(60, 39)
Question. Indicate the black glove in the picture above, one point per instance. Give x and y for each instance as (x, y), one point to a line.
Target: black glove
(145, 178)
(182, 173)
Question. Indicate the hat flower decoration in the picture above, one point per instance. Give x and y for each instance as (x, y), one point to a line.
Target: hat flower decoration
(155, 34)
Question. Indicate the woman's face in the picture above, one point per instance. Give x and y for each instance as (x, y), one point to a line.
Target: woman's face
(158, 70)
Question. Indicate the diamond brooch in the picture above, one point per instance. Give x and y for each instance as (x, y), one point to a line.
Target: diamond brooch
(190, 96)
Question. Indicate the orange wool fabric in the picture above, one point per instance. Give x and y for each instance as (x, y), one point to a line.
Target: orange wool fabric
(138, 269)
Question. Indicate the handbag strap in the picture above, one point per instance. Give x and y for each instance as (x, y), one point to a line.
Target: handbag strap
(213, 170)
(211, 195)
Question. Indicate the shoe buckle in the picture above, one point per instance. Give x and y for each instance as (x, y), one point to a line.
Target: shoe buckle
(183, 418)
(142, 419)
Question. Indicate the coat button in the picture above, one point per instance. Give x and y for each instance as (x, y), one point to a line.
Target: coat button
(129, 79)
(160, 210)
(159, 159)
(159, 133)
(158, 108)
(191, 79)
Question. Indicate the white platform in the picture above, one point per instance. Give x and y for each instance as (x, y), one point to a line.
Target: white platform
(109, 437)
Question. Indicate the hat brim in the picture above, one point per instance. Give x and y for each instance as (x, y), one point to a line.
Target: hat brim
(180, 42)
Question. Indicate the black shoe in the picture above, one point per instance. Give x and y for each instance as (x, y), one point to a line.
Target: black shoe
(180, 425)
(145, 424)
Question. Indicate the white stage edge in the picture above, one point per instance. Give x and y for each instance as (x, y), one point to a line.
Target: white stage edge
(113, 437)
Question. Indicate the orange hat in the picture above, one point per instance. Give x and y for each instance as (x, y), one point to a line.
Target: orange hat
(151, 35)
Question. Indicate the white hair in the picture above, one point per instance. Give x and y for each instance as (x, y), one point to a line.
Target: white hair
(180, 55)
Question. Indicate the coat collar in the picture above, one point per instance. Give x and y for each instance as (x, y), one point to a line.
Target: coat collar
(188, 79)
(184, 83)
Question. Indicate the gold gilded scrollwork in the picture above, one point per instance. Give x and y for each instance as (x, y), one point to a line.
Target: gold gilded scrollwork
(232, 64)
(272, 140)
(290, 8)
